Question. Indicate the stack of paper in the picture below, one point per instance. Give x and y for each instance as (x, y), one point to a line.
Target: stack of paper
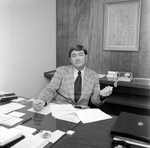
(25, 130)
(92, 115)
(10, 107)
(67, 112)
(8, 120)
(64, 112)
(8, 135)
(12, 121)
(31, 141)
(61, 109)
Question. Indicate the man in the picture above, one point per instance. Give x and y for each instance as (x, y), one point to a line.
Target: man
(62, 87)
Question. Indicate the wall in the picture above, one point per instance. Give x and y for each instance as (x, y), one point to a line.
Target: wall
(27, 45)
(82, 22)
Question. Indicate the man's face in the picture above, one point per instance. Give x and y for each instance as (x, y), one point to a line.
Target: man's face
(78, 59)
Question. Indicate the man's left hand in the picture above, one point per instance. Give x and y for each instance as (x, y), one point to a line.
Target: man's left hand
(106, 91)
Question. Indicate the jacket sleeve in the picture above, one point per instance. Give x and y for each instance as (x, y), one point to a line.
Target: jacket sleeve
(95, 98)
(50, 91)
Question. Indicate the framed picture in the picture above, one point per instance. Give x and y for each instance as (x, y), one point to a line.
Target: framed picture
(122, 25)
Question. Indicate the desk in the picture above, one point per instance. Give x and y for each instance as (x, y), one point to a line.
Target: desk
(90, 135)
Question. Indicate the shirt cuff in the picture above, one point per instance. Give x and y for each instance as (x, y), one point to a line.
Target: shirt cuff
(103, 98)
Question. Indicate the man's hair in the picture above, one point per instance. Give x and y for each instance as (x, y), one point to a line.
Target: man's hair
(77, 48)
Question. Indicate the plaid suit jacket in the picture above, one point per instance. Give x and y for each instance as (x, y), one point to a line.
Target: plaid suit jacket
(61, 87)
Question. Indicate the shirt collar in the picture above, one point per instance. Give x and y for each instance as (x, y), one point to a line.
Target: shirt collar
(82, 71)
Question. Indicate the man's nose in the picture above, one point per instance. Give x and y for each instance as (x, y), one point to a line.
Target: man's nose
(77, 57)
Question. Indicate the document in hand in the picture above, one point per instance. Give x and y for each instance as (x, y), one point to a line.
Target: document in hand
(8, 135)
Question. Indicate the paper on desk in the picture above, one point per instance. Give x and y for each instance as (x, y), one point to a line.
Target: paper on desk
(92, 115)
(26, 130)
(69, 117)
(16, 114)
(12, 121)
(61, 109)
(4, 117)
(31, 141)
(45, 111)
(9, 120)
(10, 107)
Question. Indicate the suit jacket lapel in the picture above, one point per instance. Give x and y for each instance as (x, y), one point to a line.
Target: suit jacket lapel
(85, 85)
(71, 82)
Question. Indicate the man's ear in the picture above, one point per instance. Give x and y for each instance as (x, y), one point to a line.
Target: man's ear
(86, 57)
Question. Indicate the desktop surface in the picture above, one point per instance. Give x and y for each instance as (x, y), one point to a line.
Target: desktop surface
(89, 135)
(44, 122)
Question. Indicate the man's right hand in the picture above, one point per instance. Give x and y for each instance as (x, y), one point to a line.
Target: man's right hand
(38, 104)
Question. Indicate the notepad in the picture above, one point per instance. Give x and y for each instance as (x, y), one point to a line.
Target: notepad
(9, 135)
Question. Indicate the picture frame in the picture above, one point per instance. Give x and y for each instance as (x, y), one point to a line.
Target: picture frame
(122, 25)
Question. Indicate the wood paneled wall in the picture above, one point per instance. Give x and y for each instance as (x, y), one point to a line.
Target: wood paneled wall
(81, 22)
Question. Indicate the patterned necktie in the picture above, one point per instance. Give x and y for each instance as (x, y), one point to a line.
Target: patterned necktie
(77, 87)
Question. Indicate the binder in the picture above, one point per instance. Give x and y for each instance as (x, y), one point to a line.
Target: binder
(132, 126)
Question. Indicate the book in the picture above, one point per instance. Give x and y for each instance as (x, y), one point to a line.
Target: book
(125, 76)
(9, 135)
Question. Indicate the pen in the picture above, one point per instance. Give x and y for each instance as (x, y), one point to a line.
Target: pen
(26, 120)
